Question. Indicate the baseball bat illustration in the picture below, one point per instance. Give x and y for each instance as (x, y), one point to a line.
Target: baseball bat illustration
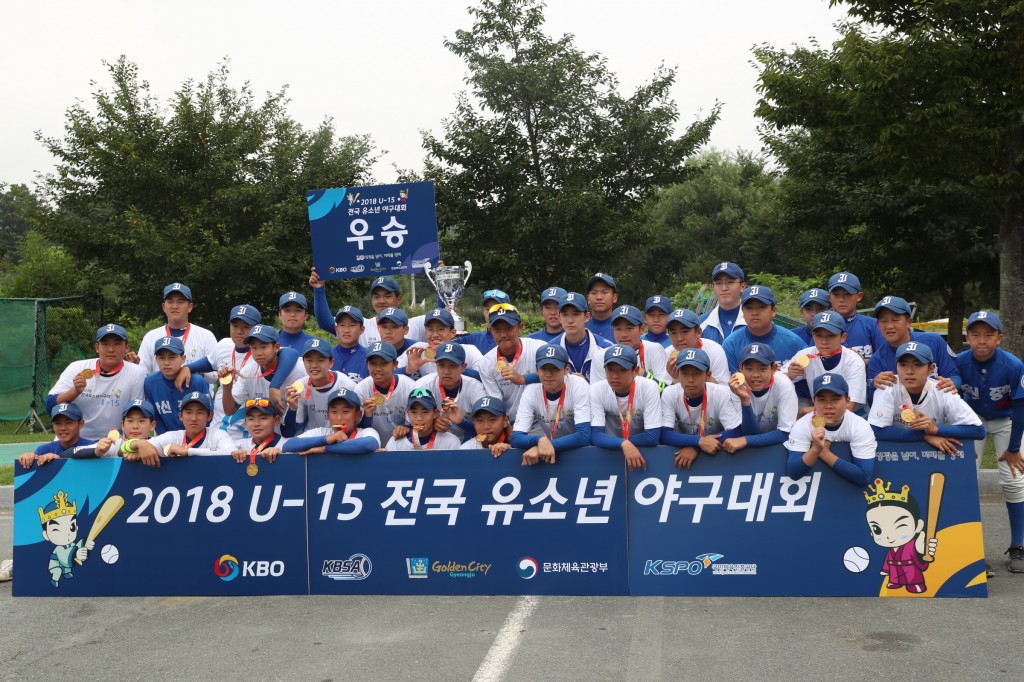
(110, 507)
(936, 484)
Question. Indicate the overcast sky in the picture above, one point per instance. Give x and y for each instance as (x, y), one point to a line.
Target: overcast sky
(376, 66)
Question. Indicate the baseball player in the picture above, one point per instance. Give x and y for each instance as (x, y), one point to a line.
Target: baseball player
(292, 314)
(625, 408)
(160, 389)
(584, 347)
(812, 302)
(828, 330)
(502, 368)
(684, 332)
(729, 282)
(484, 341)
(767, 398)
(892, 315)
(177, 305)
(550, 304)
(493, 431)
(452, 388)
(421, 412)
(384, 393)
(759, 312)
(307, 401)
(656, 314)
(602, 296)
(862, 335)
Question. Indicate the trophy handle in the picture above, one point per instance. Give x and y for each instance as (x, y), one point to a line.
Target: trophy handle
(469, 271)
(426, 271)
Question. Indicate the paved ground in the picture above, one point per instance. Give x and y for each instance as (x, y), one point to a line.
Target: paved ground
(529, 638)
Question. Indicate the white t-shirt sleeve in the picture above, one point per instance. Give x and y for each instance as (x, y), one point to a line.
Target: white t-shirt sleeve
(579, 393)
(597, 404)
(883, 407)
(528, 410)
(800, 436)
(862, 438)
(788, 405)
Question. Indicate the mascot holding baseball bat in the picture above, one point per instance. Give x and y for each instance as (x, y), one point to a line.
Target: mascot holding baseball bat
(895, 522)
(60, 527)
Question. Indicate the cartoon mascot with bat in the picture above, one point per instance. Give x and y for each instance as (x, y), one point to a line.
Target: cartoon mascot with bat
(60, 527)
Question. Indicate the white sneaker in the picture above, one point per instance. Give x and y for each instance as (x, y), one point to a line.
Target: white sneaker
(6, 570)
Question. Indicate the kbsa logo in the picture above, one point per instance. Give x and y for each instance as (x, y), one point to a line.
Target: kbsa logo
(228, 567)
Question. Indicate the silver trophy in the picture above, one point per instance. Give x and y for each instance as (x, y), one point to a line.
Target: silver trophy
(450, 282)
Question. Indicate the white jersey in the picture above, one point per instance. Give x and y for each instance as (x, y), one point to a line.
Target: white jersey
(941, 407)
(370, 331)
(595, 355)
(715, 321)
(199, 343)
(496, 385)
(719, 362)
(607, 410)
(359, 433)
(312, 410)
(850, 367)
(654, 360)
(225, 355)
(258, 386)
(536, 414)
(853, 430)
(721, 414)
(442, 441)
(777, 408)
(417, 328)
(473, 356)
(104, 398)
(216, 442)
(471, 391)
(392, 413)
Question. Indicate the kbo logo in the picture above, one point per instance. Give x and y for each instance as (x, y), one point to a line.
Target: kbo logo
(227, 568)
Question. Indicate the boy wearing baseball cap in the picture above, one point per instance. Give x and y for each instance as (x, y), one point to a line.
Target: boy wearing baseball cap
(67, 422)
(728, 282)
(993, 386)
(421, 412)
(160, 387)
(451, 388)
(862, 335)
(349, 356)
(344, 412)
(194, 439)
(307, 400)
(602, 296)
(767, 398)
(828, 329)
(177, 305)
(812, 302)
(270, 368)
(684, 332)
(550, 304)
(656, 314)
(483, 340)
(696, 416)
(503, 368)
(292, 314)
(100, 387)
(393, 327)
(493, 431)
(759, 312)
(439, 329)
(892, 316)
(383, 393)
(831, 422)
(584, 347)
(625, 408)
(628, 327)
(554, 415)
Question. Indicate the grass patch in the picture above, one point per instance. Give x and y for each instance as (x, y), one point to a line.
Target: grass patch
(7, 474)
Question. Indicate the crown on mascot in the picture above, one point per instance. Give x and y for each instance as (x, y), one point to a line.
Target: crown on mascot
(61, 508)
(881, 492)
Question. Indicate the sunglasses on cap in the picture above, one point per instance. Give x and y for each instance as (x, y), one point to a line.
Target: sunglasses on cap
(256, 402)
(508, 307)
(420, 393)
(495, 293)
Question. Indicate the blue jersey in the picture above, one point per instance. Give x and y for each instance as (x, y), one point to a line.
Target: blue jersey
(351, 362)
(785, 343)
(804, 333)
(661, 339)
(602, 328)
(483, 341)
(991, 387)
(167, 399)
(863, 336)
(883, 359)
(53, 447)
(544, 335)
(294, 341)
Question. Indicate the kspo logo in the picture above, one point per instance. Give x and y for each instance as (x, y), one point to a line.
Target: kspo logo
(696, 567)
(227, 568)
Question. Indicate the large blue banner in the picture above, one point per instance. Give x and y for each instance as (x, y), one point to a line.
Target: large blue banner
(464, 523)
(372, 231)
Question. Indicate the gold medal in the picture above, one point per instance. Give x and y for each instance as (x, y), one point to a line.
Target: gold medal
(501, 364)
(378, 399)
(672, 356)
(167, 450)
(88, 374)
(226, 379)
(252, 469)
(430, 354)
(113, 434)
(481, 437)
(298, 385)
(908, 415)
(817, 421)
(740, 379)
(801, 361)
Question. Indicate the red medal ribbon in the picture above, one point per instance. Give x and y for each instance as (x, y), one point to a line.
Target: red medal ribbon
(184, 337)
(394, 381)
(259, 448)
(198, 439)
(515, 358)
(558, 410)
(248, 354)
(627, 420)
(826, 357)
(269, 371)
(703, 410)
(102, 373)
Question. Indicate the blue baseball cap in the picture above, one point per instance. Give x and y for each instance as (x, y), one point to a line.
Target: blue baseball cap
(263, 332)
(108, 329)
(386, 283)
(575, 300)
(351, 397)
(601, 277)
(727, 268)
(422, 397)
(441, 315)
(246, 313)
(453, 352)
(489, 404)
(621, 355)
(197, 397)
(685, 317)
(146, 407)
(917, 350)
(291, 297)
(895, 304)
(171, 343)
(844, 280)
(693, 357)
(985, 317)
(264, 405)
(629, 313)
(178, 287)
(69, 410)
(760, 293)
(396, 315)
(381, 349)
(830, 382)
(509, 315)
(819, 296)
(350, 311)
(829, 321)
(660, 302)
(552, 294)
(317, 345)
(551, 354)
(496, 295)
(760, 352)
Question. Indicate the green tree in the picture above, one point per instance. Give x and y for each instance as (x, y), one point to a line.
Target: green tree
(44, 270)
(543, 168)
(16, 201)
(208, 189)
(904, 146)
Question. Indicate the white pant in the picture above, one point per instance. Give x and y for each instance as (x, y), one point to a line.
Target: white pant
(999, 429)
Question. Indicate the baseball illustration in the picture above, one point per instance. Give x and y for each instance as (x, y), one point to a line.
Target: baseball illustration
(109, 554)
(856, 559)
